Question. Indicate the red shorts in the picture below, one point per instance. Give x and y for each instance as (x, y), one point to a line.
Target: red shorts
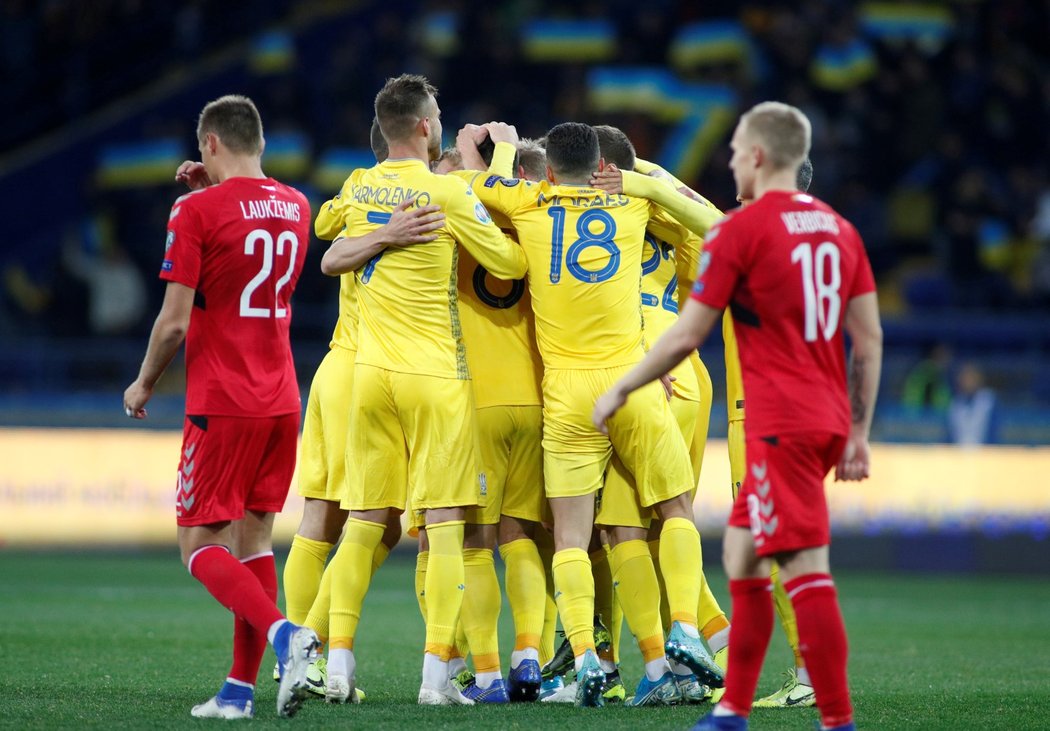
(782, 499)
(230, 464)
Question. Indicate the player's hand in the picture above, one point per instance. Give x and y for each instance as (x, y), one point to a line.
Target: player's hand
(471, 134)
(855, 464)
(502, 132)
(609, 179)
(409, 225)
(607, 405)
(666, 380)
(193, 175)
(135, 398)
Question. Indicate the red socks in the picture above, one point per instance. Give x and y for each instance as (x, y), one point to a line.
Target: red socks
(249, 590)
(822, 639)
(749, 636)
(249, 644)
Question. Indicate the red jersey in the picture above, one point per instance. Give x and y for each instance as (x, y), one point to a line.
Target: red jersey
(787, 266)
(241, 246)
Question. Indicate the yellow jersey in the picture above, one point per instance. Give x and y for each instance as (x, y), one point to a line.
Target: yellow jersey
(329, 225)
(408, 303)
(576, 237)
(734, 379)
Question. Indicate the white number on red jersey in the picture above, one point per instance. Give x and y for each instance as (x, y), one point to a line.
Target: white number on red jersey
(263, 236)
(821, 280)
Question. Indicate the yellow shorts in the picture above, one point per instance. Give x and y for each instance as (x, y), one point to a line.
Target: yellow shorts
(322, 451)
(618, 502)
(644, 433)
(512, 459)
(737, 454)
(412, 439)
(703, 417)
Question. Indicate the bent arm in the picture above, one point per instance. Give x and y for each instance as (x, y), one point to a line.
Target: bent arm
(692, 214)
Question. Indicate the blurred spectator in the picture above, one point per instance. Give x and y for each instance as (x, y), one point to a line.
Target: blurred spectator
(974, 411)
(116, 288)
(928, 384)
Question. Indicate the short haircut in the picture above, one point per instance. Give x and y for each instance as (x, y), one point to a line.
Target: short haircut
(805, 175)
(451, 154)
(487, 148)
(783, 130)
(401, 103)
(572, 150)
(379, 146)
(532, 158)
(236, 121)
(615, 146)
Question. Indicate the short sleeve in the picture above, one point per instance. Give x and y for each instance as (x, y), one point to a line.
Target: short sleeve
(183, 245)
(721, 265)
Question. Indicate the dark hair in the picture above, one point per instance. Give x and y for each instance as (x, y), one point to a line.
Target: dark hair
(487, 148)
(235, 120)
(805, 175)
(401, 103)
(616, 148)
(379, 146)
(572, 151)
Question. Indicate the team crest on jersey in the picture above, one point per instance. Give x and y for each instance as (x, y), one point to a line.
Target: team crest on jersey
(509, 182)
(169, 241)
(483, 483)
(482, 213)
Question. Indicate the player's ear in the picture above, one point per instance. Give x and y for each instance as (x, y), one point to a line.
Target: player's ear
(601, 164)
(758, 155)
(425, 122)
(550, 174)
(262, 145)
(521, 172)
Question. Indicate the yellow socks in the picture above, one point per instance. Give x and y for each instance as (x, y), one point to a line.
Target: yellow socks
(380, 556)
(352, 573)
(710, 618)
(444, 585)
(786, 614)
(317, 619)
(639, 594)
(665, 614)
(545, 546)
(302, 576)
(481, 604)
(680, 564)
(574, 594)
(526, 590)
(421, 578)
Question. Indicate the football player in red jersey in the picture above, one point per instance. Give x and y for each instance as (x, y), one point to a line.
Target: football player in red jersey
(795, 276)
(235, 248)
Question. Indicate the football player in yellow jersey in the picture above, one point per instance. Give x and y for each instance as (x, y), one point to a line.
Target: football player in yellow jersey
(412, 434)
(499, 334)
(685, 205)
(667, 272)
(585, 254)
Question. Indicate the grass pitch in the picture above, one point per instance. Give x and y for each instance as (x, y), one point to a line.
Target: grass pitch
(131, 641)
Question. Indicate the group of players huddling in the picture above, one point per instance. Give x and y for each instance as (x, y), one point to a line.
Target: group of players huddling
(499, 300)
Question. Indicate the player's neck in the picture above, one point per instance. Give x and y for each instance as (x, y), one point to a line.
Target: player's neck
(409, 151)
(239, 167)
(778, 181)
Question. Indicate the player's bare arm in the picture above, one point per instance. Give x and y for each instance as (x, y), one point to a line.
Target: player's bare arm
(467, 141)
(169, 330)
(864, 370)
(407, 227)
(685, 336)
(193, 174)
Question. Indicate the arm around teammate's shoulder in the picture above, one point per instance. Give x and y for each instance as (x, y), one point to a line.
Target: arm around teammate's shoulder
(470, 224)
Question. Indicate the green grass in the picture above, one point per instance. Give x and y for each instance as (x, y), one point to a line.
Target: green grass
(131, 641)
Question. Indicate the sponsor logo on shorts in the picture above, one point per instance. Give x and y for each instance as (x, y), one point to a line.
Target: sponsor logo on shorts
(484, 483)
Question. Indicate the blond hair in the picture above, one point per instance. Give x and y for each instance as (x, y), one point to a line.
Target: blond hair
(783, 131)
